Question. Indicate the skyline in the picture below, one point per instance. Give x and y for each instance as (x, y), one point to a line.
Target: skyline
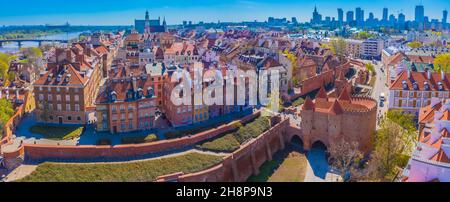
(114, 12)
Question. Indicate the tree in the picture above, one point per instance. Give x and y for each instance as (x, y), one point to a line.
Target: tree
(46, 111)
(6, 112)
(5, 61)
(370, 68)
(338, 47)
(415, 44)
(393, 141)
(345, 158)
(364, 35)
(442, 62)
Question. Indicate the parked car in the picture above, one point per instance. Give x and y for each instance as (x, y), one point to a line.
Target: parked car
(382, 97)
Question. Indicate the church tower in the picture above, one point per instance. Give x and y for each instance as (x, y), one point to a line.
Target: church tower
(147, 22)
(165, 24)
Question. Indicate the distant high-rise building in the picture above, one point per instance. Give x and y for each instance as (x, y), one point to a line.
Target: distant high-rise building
(385, 14)
(340, 15)
(359, 16)
(294, 20)
(350, 15)
(317, 18)
(419, 14)
(401, 21)
(444, 18)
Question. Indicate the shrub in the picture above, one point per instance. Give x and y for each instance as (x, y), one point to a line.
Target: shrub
(104, 142)
(227, 143)
(139, 139)
(298, 102)
(253, 129)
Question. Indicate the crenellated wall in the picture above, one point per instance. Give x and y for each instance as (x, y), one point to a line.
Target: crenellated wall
(42, 152)
(243, 163)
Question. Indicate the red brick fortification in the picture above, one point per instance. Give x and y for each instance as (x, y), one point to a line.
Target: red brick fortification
(37, 152)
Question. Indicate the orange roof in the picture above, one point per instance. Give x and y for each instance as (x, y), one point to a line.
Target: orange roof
(308, 105)
(322, 93)
(336, 108)
(345, 95)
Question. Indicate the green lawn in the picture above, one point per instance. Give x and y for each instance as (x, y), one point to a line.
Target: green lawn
(289, 168)
(57, 132)
(140, 171)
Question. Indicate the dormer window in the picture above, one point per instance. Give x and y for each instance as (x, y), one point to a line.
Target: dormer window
(426, 86)
(113, 96)
(440, 86)
(150, 92)
(130, 95)
(405, 85)
(140, 93)
(415, 86)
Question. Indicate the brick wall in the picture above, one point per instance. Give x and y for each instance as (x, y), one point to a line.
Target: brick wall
(40, 152)
(243, 163)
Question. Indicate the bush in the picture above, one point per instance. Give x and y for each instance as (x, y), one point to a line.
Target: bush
(139, 139)
(298, 102)
(253, 129)
(104, 142)
(227, 143)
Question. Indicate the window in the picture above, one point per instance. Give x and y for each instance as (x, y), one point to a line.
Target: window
(77, 107)
(59, 107)
(58, 89)
(58, 97)
(130, 115)
(67, 98)
(77, 98)
(50, 106)
(50, 97)
(41, 97)
(122, 116)
(130, 125)
(67, 107)
(69, 118)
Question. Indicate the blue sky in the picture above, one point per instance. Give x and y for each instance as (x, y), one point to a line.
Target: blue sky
(123, 12)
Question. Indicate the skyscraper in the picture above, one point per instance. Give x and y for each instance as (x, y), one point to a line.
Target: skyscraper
(420, 14)
(359, 16)
(317, 18)
(385, 14)
(444, 18)
(340, 15)
(401, 21)
(349, 17)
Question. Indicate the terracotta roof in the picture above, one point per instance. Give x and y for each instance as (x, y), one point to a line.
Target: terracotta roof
(345, 95)
(64, 76)
(420, 78)
(336, 108)
(322, 93)
(308, 105)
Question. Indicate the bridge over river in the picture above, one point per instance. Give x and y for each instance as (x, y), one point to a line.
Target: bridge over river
(40, 41)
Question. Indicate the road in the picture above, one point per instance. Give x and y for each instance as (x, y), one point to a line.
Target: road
(380, 87)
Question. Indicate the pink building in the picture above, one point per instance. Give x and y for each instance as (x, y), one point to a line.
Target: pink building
(430, 161)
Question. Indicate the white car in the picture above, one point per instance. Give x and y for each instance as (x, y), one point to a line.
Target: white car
(382, 97)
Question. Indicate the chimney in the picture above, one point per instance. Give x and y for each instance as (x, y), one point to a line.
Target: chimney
(442, 75)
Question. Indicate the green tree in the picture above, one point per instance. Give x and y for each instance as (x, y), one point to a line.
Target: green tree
(364, 35)
(338, 47)
(393, 142)
(5, 60)
(415, 44)
(370, 68)
(6, 112)
(442, 62)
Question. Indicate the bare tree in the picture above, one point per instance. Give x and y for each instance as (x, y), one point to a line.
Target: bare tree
(345, 158)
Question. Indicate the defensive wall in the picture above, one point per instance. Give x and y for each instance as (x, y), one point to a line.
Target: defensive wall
(42, 152)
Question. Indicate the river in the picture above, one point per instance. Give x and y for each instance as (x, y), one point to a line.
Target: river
(13, 47)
